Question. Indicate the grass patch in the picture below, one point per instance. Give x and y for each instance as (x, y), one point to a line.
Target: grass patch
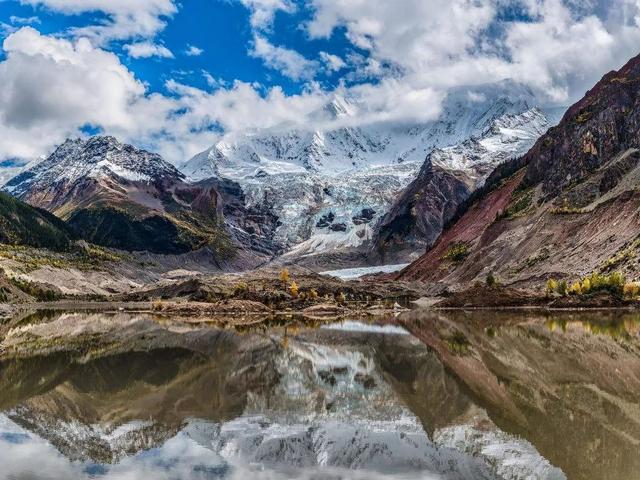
(520, 205)
(457, 253)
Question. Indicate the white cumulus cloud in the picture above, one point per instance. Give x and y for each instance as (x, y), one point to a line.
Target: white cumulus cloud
(147, 50)
(193, 51)
(128, 18)
(289, 62)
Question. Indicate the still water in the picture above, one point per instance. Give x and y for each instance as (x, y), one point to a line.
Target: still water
(421, 396)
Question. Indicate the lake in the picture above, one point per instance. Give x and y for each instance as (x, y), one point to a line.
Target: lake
(425, 395)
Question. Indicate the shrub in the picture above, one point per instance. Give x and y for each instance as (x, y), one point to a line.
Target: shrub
(313, 294)
(456, 252)
(284, 275)
(341, 297)
(562, 287)
(492, 281)
(240, 288)
(457, 343)
(614, 283)
(631, 289)
(294, 289)
(157, 305)
(575, 289)
(521, 204)
(552, 286)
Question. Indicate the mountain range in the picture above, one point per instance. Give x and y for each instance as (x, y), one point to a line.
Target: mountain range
(331, 191)
(341, 195)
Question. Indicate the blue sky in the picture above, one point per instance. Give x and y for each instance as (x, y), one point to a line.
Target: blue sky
(220, 31)
(176, 76)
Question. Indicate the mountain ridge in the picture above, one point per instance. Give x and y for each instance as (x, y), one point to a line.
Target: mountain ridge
(566, 209)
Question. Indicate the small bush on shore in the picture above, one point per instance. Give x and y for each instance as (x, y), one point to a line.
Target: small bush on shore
(563, 288)
(631, 290)
(575, 288)
(157, 305)
(294, 289)
(596, 282)
(492, 281)
(284, 275)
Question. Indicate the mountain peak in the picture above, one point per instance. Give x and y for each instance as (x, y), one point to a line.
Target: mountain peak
(97, 158)
(339, 107)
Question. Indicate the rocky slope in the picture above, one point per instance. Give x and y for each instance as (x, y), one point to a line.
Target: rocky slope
(118, 196)
(329, 188)
(567, 208)
(416, 218)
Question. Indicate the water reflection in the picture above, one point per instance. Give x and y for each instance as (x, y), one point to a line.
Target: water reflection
(429, 395)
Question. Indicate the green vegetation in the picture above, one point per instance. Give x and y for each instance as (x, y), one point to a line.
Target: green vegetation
(119, 228)
(491, 280)
(457, 343)
(583, 117)
(84, 257)
(596, 282)
(32, 289)
(540, 256)
(521, 203)
(457, 253)
(22, 224)
(625, 255)
(566, 209)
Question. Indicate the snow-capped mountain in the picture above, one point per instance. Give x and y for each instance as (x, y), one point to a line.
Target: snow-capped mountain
(330, 187)
(123, 197)
(98, 158)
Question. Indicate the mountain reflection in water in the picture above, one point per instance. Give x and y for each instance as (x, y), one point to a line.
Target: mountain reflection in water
(480, 395)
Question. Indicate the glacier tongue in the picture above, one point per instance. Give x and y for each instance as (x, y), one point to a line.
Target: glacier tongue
(330, 187)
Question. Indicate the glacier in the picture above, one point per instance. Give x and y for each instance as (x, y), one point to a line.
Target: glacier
(330, 187)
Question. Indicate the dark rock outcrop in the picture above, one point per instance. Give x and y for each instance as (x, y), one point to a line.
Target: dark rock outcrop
(417, 217)
(592, 132)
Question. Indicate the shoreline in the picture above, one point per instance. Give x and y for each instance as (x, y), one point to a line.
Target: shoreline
(204, 309)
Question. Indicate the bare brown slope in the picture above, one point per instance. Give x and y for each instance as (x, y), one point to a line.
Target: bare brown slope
(465, 231)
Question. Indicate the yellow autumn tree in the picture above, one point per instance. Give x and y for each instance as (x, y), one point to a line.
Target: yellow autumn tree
(284, 275)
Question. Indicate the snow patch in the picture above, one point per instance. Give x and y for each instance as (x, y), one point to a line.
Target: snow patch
(355, 273)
